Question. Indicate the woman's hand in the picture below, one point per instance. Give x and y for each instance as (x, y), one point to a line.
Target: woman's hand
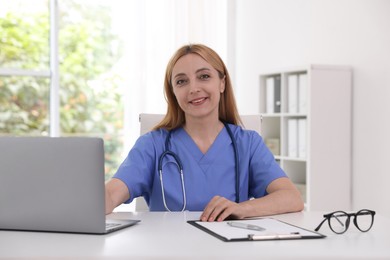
(220, 208)
(282, 197)
(116, 193)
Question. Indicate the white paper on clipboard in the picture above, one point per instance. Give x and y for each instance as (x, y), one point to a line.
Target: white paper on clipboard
(274, 230)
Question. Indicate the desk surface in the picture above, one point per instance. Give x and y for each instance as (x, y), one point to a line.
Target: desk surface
(164, 235)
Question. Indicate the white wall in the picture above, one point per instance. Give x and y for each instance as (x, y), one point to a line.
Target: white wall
(273, 34)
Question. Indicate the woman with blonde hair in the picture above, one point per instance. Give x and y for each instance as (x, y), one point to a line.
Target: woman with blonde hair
(199, 157)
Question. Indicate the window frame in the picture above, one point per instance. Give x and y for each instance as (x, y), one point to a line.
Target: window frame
(52, 74)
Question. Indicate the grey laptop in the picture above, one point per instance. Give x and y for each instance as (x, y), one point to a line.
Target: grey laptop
(54, 184)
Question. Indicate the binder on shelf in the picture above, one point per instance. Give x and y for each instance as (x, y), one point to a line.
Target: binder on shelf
(292, 137)
(273, 89)
(302, 137)
(270, 86)
(302, 93)
(277, 90)
(292, 92)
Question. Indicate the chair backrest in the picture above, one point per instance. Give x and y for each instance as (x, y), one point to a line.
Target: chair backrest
(148, 121)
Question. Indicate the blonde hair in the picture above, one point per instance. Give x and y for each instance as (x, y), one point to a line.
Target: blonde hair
(175, 117)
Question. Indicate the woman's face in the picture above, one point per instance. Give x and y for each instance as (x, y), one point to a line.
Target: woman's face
(197, 86)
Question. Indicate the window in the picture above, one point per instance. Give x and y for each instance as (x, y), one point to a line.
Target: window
(24, 64)
(90, 95)
(96, 66)
(90, 99)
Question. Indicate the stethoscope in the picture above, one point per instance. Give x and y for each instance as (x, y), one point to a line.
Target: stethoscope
(179, 165)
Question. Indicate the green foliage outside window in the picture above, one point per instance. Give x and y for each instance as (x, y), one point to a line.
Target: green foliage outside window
(90, 96)
(24, 44)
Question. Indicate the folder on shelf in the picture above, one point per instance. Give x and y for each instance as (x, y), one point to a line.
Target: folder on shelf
(302, 93)
(277, 90)
(270, 85)
(302, 137)
(260, 229)
(292, 137)
(292, 93)
(273, 94)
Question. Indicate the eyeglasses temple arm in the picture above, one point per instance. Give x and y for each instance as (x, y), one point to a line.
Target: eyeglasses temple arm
(319, 226)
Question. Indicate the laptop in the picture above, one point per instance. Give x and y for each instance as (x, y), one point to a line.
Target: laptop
(54, 184)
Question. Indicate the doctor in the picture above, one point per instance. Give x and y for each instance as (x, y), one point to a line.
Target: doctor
(198, 157)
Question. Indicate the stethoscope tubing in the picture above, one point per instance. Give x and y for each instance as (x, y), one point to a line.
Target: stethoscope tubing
(180, 168)
(236, 162)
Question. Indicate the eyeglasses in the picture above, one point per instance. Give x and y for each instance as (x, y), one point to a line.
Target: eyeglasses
(339, 220)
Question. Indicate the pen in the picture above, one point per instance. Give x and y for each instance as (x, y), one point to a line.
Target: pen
(245, 226)
(294, 235)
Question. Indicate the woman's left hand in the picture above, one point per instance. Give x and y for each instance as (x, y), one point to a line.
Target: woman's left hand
(220, 208)
(282, 197)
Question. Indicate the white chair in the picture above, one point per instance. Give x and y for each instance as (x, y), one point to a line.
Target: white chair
(148, 121)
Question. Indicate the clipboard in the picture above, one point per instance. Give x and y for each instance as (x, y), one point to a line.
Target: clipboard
(273, 229)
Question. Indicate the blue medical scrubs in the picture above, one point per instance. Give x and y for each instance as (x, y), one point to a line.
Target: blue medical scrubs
(205, 175)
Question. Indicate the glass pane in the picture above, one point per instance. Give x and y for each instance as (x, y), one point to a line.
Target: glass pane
(24, 34)
(364, 220)
(338, 222)
(90, 93)
(24, 105)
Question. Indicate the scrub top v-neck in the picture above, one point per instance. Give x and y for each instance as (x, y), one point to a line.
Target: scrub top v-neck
(205, 175)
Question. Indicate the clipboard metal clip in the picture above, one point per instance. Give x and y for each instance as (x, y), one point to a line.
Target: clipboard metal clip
(274, 236)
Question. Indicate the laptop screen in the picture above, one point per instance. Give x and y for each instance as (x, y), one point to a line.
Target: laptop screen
(52, 184)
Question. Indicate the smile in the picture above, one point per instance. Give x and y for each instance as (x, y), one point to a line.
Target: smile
(198, 101)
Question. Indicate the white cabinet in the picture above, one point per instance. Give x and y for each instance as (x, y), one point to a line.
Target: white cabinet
(307, 120)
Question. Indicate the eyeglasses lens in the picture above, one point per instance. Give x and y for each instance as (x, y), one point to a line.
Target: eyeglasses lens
(339, 222)
(364, 220)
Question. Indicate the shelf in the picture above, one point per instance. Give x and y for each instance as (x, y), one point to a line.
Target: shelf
(308, 144)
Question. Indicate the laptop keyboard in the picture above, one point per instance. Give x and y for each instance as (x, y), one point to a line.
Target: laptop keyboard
(112, 225)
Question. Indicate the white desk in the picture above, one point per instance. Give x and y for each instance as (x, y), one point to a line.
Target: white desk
(163, 235)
